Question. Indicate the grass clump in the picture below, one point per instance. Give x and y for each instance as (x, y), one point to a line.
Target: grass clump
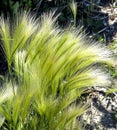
(49, 69)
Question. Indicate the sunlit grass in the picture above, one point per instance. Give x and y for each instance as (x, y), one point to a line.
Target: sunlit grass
(52, 68)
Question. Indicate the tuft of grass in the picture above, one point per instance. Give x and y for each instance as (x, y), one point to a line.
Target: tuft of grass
(52, 68)
(73, 7)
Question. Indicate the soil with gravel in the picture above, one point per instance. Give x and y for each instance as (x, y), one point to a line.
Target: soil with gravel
(102, 112)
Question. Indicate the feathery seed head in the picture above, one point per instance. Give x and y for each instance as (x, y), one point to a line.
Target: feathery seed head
(52, 63)
(8, 92)
(101, 78)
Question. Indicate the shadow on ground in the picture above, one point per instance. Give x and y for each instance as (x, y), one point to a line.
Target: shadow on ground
(102, 113)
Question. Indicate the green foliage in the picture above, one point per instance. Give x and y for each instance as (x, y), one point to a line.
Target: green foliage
(113, 69)
(11, 7)
(52, 67)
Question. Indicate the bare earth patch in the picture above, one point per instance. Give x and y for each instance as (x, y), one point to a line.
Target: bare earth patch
(102, 113)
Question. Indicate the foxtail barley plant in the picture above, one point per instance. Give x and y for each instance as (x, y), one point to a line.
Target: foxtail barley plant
(49, 69)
